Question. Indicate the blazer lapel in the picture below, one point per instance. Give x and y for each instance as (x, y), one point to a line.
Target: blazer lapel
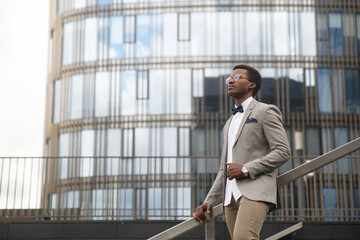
(246, 115)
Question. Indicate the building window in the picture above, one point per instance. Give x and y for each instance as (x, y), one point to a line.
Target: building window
(296, 90)
(76, 96)
(313, 147)
(87, 153)
(307, 34)
(78, 4)
(128, 93)
(143, 36)
(130, 29)
(324, 79)
(281, 33)
(116, 37)
(51, 49)
(68, 42)
(341, 138)
(125, 203)
(330, 204)
(198, 83)
(358, 32)
(90, 39)
(336, 34)
(102, 93)
(352, 91)
(56, 101)
(183, 27)
(71, 199)
(113, 150)
(322, 34)
(103, 35)
(103, 2)
(268, 88)
(142, 89)
(63, 151)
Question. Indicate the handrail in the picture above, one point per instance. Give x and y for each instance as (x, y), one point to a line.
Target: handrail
(187, 225)
(283, 179)
(319, 162)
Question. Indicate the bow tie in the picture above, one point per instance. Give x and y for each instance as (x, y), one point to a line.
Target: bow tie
(237, 109)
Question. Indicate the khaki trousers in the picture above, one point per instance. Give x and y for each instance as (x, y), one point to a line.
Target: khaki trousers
(244, 218)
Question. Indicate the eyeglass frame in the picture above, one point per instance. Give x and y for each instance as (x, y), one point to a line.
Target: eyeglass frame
(235, 78)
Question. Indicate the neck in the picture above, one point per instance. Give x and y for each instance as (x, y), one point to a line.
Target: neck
(240, 100)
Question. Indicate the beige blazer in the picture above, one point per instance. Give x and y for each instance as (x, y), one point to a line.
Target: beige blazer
(261, 146)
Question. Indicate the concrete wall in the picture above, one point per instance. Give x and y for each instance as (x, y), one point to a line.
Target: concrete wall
(75, 230)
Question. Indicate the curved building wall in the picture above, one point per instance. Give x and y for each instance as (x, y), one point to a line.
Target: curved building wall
(137, 98)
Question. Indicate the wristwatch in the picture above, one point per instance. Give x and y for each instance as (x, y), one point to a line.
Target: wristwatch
(245, 171)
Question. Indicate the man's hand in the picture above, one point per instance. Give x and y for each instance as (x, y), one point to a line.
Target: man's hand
(234, 170)
(200, 212)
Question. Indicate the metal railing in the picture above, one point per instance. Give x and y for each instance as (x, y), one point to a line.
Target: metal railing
(164, 188)
(287, 177)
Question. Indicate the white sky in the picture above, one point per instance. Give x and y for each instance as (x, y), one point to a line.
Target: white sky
(23, 68)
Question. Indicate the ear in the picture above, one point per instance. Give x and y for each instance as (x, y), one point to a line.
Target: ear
(252, 85)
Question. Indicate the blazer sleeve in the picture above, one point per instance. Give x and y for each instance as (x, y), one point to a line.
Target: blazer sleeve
(215, 194)
(278, 144)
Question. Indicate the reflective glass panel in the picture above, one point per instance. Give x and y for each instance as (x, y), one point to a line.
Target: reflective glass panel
(128, 93)
(358, 32)
(76, 96)
(268, 85)
(129, 29)
(324, 77)
(71, 199)
(113, 150)
(126, 203)
(336, 34)
(183, 26)
(197, 34)
(64, 151)
(103, 2)
(352, 80)
(308, 33)
(143, 36)
(90, 39)
(142, 85)
(87, 150)
(116, 37)
(226, 34)
(102, 93)
(281, 33)
(56, 101)
(296, 90)
(78, 4)
(341, 137)
(68, 38)
(183, 91)
(198, 82)
(103, 35)
(252, 34)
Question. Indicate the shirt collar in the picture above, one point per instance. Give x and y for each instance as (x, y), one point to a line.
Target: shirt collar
(246, 103)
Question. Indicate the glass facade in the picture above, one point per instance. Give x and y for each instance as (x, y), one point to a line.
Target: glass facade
(139, 99)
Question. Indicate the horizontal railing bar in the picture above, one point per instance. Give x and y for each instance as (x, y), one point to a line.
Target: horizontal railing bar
(286, 232)
(319, 162)
(187, 225)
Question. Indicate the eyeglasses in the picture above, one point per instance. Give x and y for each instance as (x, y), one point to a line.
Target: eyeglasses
(235, 78)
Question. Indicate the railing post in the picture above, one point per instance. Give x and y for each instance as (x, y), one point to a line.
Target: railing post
(210, 229)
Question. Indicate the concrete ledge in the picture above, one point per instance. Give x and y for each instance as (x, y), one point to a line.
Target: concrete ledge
(131, 230)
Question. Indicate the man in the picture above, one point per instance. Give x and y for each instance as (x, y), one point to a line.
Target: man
(255, 145)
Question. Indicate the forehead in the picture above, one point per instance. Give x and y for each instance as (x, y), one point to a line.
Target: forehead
(241, 71)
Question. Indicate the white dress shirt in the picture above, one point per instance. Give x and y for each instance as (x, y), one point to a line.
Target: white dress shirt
(231, 187)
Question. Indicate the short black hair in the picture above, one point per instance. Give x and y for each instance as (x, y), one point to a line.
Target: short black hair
(254, 76)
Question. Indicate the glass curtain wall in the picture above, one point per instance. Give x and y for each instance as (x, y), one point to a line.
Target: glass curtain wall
(141, 94)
